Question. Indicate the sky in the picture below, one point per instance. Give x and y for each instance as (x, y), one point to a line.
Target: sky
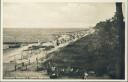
(37, 14)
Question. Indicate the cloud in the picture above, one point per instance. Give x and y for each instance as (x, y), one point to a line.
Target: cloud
(56, 14)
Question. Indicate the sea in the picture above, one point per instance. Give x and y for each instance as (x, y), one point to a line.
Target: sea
(34, 34)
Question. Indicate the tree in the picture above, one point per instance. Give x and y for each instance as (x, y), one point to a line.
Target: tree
(121, 42)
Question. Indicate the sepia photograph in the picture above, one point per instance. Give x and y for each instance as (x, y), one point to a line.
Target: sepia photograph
(45, 40)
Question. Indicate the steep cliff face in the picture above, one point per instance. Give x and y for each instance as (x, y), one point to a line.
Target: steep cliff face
(98, 51)
(101, 51)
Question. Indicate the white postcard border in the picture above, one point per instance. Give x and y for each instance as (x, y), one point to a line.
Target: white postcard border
(126, 30)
